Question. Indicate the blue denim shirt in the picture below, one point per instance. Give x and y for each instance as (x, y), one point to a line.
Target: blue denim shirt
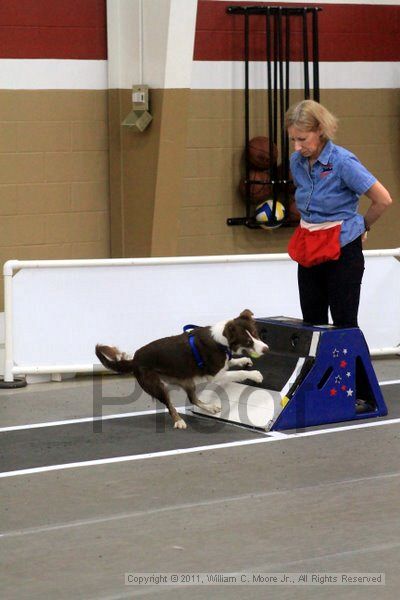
(330, 190)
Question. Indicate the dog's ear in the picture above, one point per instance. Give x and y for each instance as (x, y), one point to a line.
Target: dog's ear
(246, 314)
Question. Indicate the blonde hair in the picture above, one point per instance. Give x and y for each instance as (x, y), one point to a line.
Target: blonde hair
(309, 115)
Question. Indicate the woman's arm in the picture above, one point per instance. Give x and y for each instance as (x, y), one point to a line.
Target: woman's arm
(380, 200)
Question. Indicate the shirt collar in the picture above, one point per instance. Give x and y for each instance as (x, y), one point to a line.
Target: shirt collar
(323, 158)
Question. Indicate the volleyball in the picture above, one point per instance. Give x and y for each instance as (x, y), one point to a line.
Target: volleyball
(264, 215)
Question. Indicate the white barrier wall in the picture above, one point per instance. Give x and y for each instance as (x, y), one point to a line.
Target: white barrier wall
(56, 311)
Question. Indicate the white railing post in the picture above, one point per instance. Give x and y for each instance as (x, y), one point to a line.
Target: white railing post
(8, 321)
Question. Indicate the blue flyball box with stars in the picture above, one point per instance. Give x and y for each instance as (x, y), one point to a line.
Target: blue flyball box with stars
(334, 373)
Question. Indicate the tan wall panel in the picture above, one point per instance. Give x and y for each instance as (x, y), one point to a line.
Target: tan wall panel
(90, 136)
(217, 104)
(212, 162)
(23, 229)
(42, 198)
(146, 174)
(115, 172)
(90, 249)
(76, 166)
(21, 168)
(8, 137)
(359, 103)
(211, 190)
(376, 157)
(133, 168)
(36, 252)
(43, 137)
(54, 193)
(8, 199)
(74, 227)
(370, 130)
(89, 196)
(52, 105)
(138, 170)
(171, 160)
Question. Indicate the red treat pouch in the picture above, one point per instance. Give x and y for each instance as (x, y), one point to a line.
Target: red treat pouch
(315, 243)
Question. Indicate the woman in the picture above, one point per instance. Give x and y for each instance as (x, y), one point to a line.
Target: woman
(328, 242)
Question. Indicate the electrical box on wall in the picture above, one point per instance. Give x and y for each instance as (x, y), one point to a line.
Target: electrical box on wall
(140, 97)
(139, 117)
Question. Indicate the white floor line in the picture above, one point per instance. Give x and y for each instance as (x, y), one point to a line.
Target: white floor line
(178, 451)
(277, 435)
(140, 413)
(182, 409)
(134, 457)
(392, 382)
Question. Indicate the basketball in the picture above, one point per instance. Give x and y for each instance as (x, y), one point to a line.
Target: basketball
(264, 215)
(259, 152)
(257, 191)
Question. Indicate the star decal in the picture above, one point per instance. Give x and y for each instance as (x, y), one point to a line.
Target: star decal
(341, 374)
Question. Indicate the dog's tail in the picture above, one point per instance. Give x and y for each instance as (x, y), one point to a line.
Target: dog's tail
(113, 359)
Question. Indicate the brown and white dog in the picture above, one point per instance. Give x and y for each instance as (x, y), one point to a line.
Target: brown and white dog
(186, 362)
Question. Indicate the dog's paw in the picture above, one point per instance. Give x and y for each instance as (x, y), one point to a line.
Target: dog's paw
(256, 376)
(180, 424)
(213, 409)
(244, 362)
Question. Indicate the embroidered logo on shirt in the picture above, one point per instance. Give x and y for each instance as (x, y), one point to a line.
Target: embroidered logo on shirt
(326, 170)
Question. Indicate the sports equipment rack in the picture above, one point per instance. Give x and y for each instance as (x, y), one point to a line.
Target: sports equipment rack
(279, 53)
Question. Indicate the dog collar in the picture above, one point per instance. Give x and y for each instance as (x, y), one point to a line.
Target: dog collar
(195, 350)
(226, 350)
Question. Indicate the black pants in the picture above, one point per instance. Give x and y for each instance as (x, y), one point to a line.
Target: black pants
(335, 284)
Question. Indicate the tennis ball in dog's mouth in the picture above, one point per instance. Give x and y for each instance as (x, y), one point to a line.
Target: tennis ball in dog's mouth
(254, 355)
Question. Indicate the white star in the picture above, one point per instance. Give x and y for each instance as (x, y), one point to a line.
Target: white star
(344, 350)
(338, 379)
(335, 353)
(348, 374)
(349, 392)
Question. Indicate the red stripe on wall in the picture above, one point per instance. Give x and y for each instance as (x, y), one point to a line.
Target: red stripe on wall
(347, 32)
(74, 29)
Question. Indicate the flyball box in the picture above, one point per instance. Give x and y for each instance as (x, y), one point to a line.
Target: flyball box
(312, 375)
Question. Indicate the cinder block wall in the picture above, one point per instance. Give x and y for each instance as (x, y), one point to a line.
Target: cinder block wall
(54, 197)
(53, 175)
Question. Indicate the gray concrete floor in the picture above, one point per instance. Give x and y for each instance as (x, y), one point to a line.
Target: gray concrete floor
(320, 504)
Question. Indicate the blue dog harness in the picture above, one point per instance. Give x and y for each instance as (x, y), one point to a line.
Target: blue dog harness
(195, 350)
